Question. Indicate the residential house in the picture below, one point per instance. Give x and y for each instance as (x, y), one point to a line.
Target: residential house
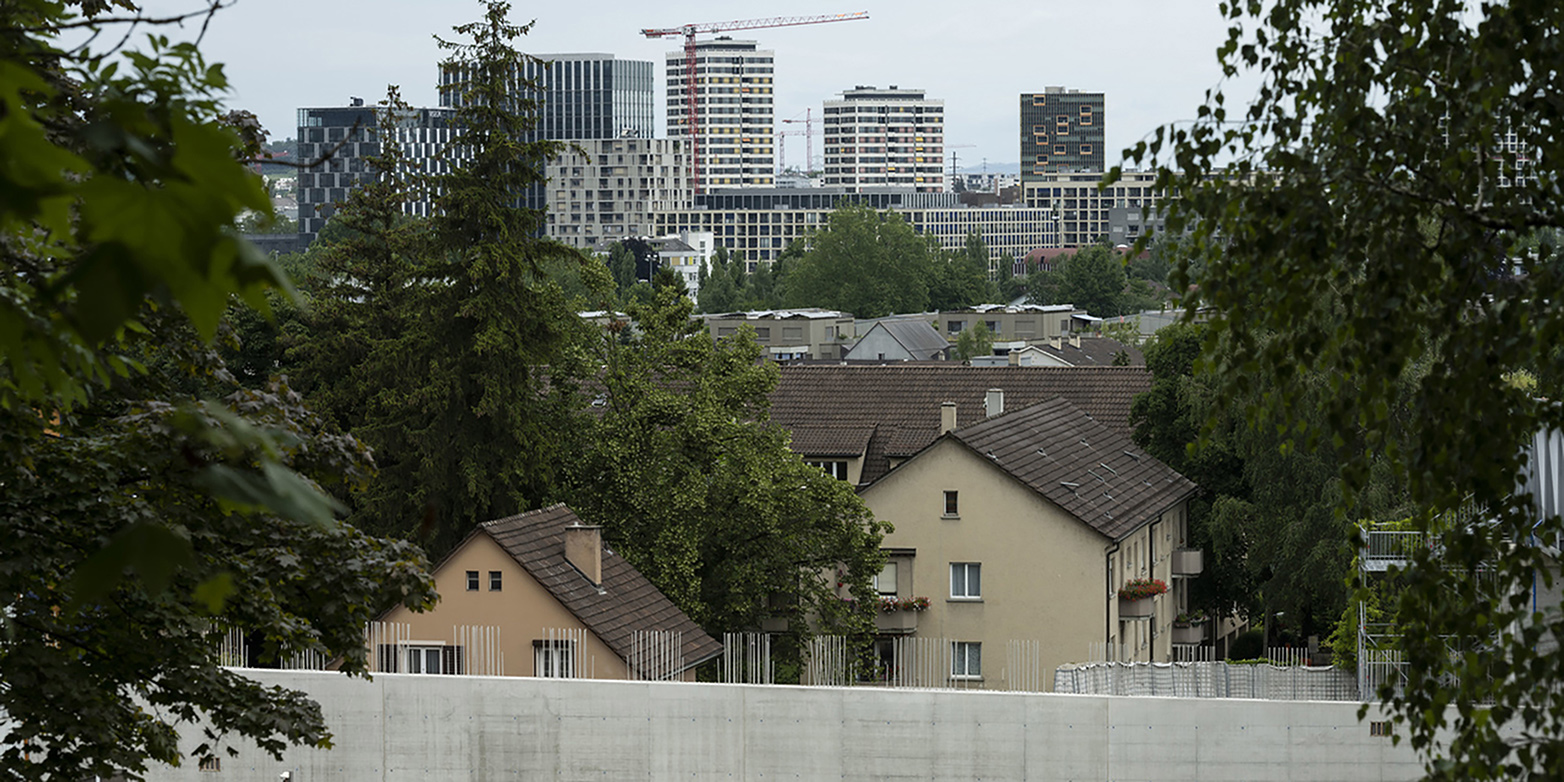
(1076, 351)
(789, 334)
(858, 421)
(900, 340)
(537, 594)
(1020, 529)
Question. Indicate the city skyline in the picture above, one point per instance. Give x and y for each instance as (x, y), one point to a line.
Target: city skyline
(1153, 59)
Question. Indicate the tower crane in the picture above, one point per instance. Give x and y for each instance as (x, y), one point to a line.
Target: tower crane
(809, 138)
(689, 31)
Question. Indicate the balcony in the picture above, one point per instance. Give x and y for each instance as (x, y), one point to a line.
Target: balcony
(1143, 608)
(1192, 634)
(896, 622)
(1188, 561)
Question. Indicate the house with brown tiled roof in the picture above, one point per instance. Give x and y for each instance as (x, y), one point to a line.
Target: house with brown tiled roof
(1021, 530)
(537, 594)
(858, 421)
(1077, 352)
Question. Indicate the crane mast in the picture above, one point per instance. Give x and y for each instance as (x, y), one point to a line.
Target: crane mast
(689, 31)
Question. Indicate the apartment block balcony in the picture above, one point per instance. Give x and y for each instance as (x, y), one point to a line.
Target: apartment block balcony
(1193, 633)
(1188, 562)
(896, 622)
(1144, 608)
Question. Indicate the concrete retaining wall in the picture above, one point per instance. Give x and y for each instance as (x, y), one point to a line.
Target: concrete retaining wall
(406, 727)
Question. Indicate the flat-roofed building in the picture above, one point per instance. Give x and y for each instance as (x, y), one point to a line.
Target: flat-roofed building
(884, 138)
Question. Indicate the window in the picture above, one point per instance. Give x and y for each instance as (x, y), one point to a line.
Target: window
(1086, 149)
(954, 326)
(885, 581)
(837, 470)
(966, 660)
(554, 659)
(951, 506)
(211, 764)
(494, 581)
(432, 659)
(472, 581)
(966, 581)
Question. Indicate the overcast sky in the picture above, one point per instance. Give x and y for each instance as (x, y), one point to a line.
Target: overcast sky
(1153, 58)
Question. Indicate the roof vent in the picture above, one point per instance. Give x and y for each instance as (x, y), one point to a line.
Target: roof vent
(1071, 485)
(1132, 455)
(1105, 466)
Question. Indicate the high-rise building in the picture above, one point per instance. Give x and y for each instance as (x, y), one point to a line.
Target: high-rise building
(884, 138)
(1061, 132)
(614, 190)
(343, 138)
(734, 113)
(579, 95)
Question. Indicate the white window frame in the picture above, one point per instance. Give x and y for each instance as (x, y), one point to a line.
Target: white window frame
(554, 659)
(968, 576)
(966, 660)
(886, 574)
(417, 654)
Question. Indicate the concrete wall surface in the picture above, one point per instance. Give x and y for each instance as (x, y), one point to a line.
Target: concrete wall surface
(407, 727)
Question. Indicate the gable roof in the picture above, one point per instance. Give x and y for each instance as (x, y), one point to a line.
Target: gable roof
(1093, 351)
(1096, 474)
(627, 602)
(917, 337)
(900, 402)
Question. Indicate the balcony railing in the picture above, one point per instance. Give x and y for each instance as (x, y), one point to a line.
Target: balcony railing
(896, 622)
(1188, 562)
(1385, 547)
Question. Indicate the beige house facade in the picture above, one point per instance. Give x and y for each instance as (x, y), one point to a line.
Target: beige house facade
(537, 594)
(790, 334)
(1020, 531)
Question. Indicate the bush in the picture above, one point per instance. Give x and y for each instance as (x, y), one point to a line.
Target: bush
(1248, 645)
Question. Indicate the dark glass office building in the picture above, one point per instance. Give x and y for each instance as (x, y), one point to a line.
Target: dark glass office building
(1061, 132)
(345, 136)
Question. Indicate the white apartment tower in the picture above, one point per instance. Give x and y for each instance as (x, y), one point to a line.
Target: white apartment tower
(733, 112)
(885, 138)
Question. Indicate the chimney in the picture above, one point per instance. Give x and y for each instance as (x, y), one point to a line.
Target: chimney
(1075, 340)
(947, 416)
(1054, 343)
(994, 402)
(584, 550)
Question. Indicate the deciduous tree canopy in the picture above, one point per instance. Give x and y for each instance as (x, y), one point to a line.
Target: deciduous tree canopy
(1376, 215)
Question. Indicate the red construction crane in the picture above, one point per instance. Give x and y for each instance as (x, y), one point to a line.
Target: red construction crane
(690, 30)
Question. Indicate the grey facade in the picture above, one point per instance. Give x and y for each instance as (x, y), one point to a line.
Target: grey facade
(1061, 131)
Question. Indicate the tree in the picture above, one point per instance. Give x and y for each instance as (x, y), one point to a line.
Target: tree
(1094, 280)
(958, 280)
(700, 492)
(863, 262)
(462, 389)
(138, 514)
(1370, 227)
(976, 341)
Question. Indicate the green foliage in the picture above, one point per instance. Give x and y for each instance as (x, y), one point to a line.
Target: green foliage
(445, 344)
(702, 495)
(1249, 646)
(140, 517)
(1371, 228)
(960, 279)
(976, 341)
(863, 262)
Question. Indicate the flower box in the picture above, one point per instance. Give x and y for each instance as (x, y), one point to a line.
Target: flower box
(1189, 634)
(1137, 609)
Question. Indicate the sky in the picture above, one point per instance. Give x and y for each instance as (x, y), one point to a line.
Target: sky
(1154, 59)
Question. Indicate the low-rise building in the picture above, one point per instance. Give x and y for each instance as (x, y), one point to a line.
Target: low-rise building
(789, 334)
(900, 340)
(1016, 322)
(1026, 534)
(537, 594)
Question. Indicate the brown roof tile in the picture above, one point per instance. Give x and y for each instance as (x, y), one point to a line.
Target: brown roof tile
(626, 603)
(1084, 467)
(902, 401)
